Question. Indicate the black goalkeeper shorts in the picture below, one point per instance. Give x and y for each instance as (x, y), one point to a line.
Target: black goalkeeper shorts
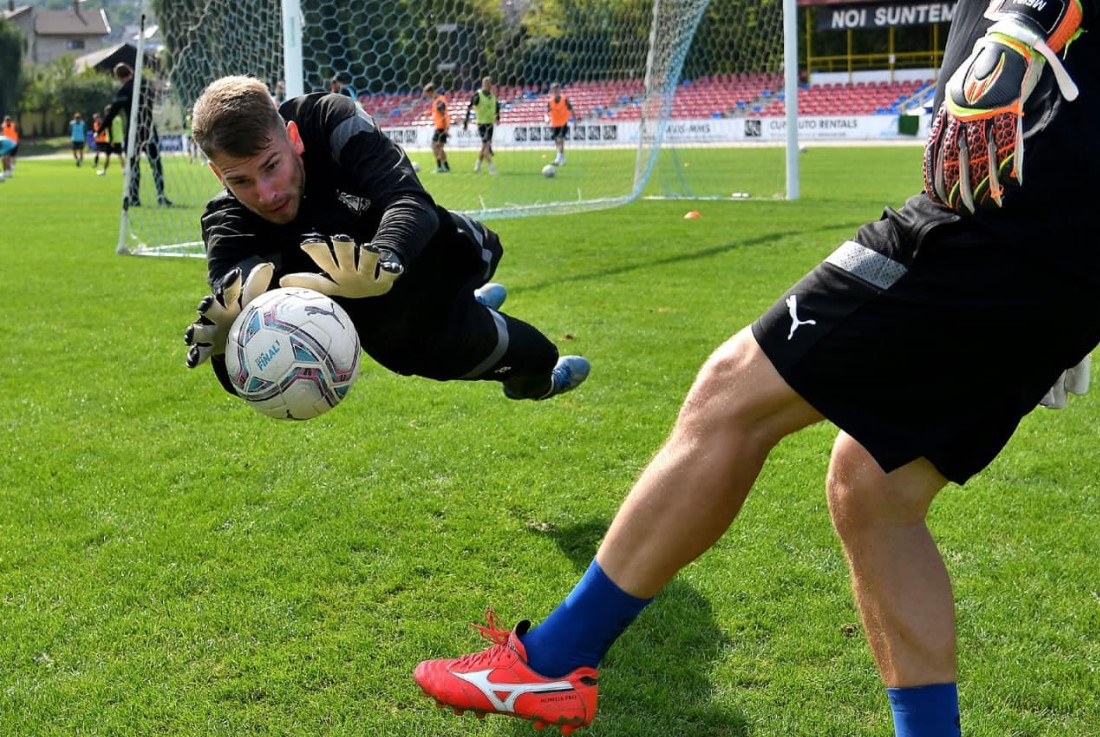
(930, 340)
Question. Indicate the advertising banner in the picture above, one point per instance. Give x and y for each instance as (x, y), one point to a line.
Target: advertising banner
(710, 131)
(850, 17)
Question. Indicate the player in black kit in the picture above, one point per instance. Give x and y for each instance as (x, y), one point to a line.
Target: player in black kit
(316, 196)
(893, 339)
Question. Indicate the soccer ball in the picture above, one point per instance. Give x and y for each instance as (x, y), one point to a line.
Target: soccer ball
(292, 353)
(416, 166)
(549, 171)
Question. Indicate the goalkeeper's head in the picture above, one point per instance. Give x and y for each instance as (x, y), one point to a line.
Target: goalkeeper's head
(236, 116)
(253, 151)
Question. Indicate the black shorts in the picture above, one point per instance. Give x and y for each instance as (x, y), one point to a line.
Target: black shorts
(116, 148)
(559, 132)
(931, 340)
(439, 135)
(485, 133)
(78, 145)
(103, 147)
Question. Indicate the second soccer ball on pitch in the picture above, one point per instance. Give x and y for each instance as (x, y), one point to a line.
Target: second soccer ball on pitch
(550, 171)
(292, 353)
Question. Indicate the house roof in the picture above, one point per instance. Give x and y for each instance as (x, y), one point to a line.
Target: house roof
(13, 13)
(105, 59)
(70, 23)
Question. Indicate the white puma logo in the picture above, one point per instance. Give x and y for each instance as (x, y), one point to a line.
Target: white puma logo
(792, 307)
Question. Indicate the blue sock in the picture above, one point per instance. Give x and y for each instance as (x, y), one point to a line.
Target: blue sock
(926, 711)
(583, 627)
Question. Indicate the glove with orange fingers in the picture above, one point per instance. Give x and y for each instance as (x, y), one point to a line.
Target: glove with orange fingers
(976, 148)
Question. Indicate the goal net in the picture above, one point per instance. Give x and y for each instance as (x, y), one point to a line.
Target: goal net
(658, 88)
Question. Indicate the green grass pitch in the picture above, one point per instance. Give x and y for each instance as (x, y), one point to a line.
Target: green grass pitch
(173, 563)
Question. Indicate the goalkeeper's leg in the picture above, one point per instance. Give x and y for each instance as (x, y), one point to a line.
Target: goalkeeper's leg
(482, 344)
(526, 362)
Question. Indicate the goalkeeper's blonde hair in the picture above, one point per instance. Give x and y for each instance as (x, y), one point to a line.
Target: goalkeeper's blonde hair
(235, 116)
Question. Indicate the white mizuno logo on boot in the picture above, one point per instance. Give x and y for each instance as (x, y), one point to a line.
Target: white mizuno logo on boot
(512, 691)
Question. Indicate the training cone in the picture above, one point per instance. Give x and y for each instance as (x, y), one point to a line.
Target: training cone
(692, 214)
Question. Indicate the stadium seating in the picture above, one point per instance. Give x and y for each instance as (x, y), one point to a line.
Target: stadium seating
(706, 97)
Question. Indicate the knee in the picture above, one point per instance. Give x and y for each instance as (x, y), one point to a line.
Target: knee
(737, 394)
(862, 497)
(712, 393)
(854, 505)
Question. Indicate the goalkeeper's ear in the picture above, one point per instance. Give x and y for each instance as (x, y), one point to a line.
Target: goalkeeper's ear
(295, 137)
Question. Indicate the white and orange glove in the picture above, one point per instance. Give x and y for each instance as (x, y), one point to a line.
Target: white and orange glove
(350, 270)
(976, 147)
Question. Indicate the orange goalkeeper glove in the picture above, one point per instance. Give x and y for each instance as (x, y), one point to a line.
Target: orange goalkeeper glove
(976, 147)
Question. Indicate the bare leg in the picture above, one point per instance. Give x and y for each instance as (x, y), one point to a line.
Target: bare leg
(899, 579)
(690, 493)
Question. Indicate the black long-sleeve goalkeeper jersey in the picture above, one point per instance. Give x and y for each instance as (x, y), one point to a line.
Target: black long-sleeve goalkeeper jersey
(360, 184)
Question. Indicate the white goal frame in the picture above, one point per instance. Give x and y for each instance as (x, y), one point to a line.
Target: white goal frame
(662, 75)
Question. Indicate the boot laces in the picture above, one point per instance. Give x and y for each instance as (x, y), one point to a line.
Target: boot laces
(494, 631)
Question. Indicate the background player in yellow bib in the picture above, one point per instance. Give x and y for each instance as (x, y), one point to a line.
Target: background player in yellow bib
(487, 108)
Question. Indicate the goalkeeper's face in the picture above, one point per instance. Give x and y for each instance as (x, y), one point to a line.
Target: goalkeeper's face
(270, 182)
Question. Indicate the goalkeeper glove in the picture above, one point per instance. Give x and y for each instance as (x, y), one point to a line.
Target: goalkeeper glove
(1072, 381)
(976, 147)
(350, 270)
(217, 311)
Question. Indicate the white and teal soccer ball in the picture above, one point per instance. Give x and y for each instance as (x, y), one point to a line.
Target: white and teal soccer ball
(549, 171)
(292, 353)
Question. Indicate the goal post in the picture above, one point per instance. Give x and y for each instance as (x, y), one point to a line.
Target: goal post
(655, 86)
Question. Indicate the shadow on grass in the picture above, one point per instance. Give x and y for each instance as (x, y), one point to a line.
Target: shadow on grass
(681, 257)
(655, 679)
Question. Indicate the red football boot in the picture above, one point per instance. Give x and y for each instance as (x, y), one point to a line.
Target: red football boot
(499, 681)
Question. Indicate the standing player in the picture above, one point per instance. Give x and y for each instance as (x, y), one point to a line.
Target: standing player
(340, 84)
(78, 132)
(188, 139)
(884, 339)
(101, 135)
(441, 121)
(7, 154)
(309, 181)
(9, 130)
(558, 112)
(118, 138)
(148, 139)
(487, 113)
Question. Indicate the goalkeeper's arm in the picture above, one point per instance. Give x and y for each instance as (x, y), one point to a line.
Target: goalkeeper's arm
(975, 151)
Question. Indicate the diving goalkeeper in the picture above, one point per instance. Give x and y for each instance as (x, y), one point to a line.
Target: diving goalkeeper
(317, 196)
(892, 339)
